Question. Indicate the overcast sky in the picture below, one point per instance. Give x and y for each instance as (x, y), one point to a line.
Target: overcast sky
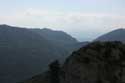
(83, 19)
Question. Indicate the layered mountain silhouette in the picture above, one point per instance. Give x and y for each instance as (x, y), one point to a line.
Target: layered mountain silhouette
(56, 36)
(97, 62)
(27, 52)
(60, 39)
(24, 52)
(115, 35)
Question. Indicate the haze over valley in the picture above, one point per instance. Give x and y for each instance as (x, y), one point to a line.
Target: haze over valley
(62, 41)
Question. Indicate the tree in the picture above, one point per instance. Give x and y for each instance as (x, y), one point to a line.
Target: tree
(54, 72)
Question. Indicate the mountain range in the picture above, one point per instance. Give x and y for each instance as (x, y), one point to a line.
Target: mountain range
(97, 62)
(82, 65)
(27, 52)
(115, 35)
(56, 36)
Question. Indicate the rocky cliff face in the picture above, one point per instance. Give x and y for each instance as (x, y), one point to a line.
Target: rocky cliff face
(96, 63)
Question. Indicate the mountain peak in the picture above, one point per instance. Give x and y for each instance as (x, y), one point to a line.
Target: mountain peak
(56, 36)
(4, 25)
(115, 35)
(46, 29)
(120, 29)
(26, 51)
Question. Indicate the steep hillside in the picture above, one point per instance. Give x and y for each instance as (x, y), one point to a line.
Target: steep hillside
(60, 39)
(24, 53)
(98, 62)
(57, 37)
(115, 35)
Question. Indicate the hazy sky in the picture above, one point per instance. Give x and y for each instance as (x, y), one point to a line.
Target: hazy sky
(83, 19)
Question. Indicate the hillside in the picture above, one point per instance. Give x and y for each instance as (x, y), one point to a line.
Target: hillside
(60, 39)
(115, 35)
(56, 36)
(97, 62)
(24, 53)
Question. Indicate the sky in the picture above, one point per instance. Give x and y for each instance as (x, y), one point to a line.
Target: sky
(83, 19)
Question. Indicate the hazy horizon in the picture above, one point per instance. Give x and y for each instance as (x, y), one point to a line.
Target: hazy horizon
(83, 19)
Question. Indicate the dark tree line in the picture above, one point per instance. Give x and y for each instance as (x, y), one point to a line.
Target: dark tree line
(54, 72)
(112, 66)
(109, 66)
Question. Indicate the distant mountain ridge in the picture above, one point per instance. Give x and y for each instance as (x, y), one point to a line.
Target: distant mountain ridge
(56, 36)
(24, 53)
(60, 38)
(115, 35)
(82, 65)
